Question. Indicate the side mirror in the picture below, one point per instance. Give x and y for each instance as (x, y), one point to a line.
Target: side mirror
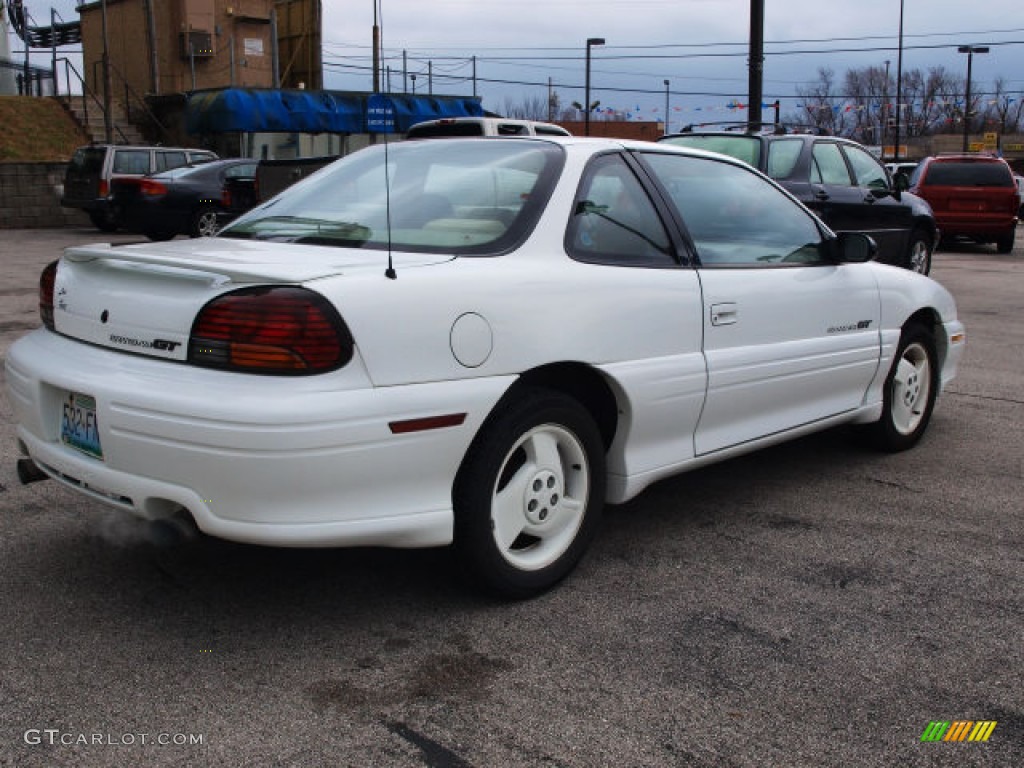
(854, 248)
(900, 182)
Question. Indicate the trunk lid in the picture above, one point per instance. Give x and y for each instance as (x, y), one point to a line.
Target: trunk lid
(144, 298)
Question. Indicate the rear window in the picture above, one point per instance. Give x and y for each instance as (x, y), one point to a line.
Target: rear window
(968, 174)
(88, 159)
(458, 197)
(446, 129)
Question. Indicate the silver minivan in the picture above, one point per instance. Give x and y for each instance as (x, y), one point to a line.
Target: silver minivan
(87, 180)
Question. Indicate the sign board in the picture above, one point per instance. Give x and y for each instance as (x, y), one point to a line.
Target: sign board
(991, 138)
(380, 114)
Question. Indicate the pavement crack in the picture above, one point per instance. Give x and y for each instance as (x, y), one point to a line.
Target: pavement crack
(990, 398)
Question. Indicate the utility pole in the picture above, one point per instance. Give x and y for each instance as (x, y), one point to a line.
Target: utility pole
(755, 81)
(108, 129)
(376, 50)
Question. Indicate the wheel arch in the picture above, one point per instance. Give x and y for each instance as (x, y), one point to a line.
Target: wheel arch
(579, 381)
(931, 320)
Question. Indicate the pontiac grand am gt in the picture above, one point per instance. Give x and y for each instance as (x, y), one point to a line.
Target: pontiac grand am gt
(476, 342)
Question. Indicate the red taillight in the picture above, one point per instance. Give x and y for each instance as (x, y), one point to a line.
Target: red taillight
(104, 188)
(151, 188)
(281, 329)
(225, 197)
(46, 281)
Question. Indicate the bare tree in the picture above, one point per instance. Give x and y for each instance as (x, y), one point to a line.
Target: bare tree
(1006, 110)
(822, 104)
(530, 108)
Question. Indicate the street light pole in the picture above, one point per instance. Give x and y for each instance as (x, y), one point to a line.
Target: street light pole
(666, 107)
(591, 41)
(970, 50)
(899, 93)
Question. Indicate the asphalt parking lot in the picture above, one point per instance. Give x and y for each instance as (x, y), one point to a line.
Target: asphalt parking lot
(814, 604)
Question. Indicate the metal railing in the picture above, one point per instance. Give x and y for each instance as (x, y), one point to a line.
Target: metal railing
(29, 80)
(130, 97)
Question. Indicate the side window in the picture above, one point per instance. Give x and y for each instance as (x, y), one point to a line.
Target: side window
(614, 221)
(167, 160)
(868, 171)
(134, 161)
(828, 166)
(735, 217)
(782, 157)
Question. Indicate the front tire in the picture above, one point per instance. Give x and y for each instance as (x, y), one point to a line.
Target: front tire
(910, 391)
(919, 252)
(529, 494)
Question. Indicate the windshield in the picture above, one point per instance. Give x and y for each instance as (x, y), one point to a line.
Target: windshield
(745, 148)
(466, 196)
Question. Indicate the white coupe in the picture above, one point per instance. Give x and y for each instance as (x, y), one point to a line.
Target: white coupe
(476, 342)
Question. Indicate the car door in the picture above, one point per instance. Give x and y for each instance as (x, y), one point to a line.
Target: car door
(883, 215)
(790, 337)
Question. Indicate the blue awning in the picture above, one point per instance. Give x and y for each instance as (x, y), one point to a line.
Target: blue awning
(253, 110)
(409, 110)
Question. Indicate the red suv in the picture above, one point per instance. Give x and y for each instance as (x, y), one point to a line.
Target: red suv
(971, 195)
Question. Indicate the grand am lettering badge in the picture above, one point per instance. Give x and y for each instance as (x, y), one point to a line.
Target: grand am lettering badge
(860, 325)
(162, 344)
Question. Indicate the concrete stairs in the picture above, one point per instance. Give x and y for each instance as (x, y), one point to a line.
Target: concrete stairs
(123, 130)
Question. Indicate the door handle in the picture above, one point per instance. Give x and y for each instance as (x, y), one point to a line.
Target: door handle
(724, 314)
(820, 194)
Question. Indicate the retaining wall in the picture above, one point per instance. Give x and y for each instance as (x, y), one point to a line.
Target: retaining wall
(29, 197)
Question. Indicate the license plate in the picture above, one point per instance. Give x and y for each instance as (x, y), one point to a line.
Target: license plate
(79, 427)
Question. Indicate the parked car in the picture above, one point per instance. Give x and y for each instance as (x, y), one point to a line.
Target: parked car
(93, 169)
(1019, 181)
(453, 127)
(900, 173)
(478, 342)
(973, 196)
(837, 179)
(191, 200)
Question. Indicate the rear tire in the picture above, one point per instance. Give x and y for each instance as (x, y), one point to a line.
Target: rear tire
(204, 223)
(529, 494)
(1004, 243)
(910, 391)
(104, 221)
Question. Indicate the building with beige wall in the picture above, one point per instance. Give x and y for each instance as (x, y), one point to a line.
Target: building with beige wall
(160, 47)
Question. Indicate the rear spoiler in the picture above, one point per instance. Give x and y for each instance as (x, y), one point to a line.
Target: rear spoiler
(235, 270)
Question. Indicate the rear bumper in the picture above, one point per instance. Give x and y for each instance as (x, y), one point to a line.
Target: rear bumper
(264, 460)
(977, 226)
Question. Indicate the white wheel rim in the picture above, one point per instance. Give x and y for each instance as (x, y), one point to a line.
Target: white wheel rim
(540, 497)
(911, 388)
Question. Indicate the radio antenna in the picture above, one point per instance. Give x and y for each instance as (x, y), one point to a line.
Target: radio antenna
(389, 273)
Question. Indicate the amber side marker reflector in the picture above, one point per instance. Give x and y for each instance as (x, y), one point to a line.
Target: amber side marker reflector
(430, 422)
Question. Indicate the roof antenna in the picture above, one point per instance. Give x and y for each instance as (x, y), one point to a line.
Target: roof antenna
(389, 273)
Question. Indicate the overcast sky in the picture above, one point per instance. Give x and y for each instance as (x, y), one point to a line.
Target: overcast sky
(526, 42)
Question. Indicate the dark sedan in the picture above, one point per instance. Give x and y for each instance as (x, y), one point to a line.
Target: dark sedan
(837, 179)
(193, 200)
